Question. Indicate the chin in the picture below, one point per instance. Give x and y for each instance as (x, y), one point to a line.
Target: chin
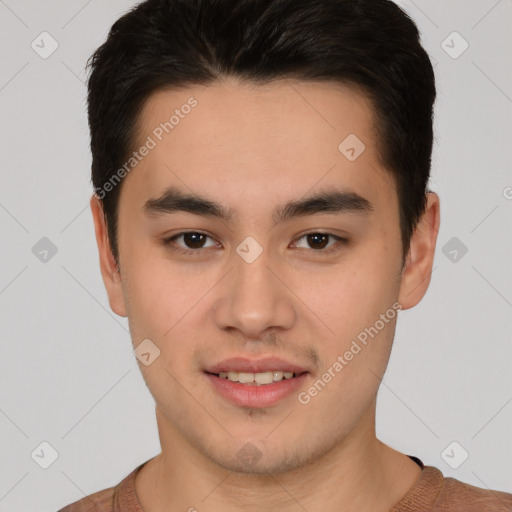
(257, 458)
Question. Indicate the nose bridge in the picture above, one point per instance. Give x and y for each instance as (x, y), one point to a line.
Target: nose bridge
(254, 286)
(254, 277)
(255, 299)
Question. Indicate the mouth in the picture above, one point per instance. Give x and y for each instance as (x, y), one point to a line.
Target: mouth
(257, 379)
(255, 384)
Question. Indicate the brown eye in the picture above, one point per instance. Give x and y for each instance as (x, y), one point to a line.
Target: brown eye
(319, 241)
(193, 242)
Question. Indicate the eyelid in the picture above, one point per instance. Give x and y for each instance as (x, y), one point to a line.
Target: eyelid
(168, 242)
(338, 239)
(341, 241)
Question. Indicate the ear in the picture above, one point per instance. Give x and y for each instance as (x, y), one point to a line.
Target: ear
(108, 265)
(418, 266)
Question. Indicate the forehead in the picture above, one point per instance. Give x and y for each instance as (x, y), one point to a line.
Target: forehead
(247, 142)
(288, 111)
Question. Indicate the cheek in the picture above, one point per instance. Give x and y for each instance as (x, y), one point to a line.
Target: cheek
(162, 310)
(361, 308)
(166, 305)
(159, 303)
(360, 291)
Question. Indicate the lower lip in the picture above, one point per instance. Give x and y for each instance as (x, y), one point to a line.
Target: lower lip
(247, 395)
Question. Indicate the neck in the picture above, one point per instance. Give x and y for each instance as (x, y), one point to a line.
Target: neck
(360, 474)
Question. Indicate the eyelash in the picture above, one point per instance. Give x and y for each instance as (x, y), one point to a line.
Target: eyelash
(168, 242)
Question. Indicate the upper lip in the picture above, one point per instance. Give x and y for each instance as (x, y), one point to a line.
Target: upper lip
(242, 364)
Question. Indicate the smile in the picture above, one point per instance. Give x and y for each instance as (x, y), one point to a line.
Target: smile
(258, 379)
(247, 392)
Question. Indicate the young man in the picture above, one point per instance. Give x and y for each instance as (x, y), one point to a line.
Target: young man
(262, 216)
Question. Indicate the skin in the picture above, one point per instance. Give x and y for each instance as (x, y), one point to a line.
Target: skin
(252, 148)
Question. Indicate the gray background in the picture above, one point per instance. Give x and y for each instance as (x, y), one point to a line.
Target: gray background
(68, 372)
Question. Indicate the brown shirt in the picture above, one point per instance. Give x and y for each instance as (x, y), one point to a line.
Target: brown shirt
(432, 492)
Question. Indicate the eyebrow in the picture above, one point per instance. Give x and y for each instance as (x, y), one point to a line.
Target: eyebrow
(328, 201)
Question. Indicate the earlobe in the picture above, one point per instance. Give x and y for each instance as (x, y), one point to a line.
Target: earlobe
(418, 267)
(108, 265)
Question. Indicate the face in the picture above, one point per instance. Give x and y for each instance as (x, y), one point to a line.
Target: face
(221, 277)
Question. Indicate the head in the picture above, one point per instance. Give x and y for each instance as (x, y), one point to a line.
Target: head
(259, 126)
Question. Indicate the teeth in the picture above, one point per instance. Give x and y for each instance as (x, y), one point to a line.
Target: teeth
(245, 378)
(264, 378)
(256, 379)
(277, 376)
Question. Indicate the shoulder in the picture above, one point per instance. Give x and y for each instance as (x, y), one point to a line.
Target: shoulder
(120, 498)
(101, 501)
(457, 495)
(432, 492)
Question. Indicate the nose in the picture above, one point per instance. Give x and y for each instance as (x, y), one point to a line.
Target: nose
(255, 298)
